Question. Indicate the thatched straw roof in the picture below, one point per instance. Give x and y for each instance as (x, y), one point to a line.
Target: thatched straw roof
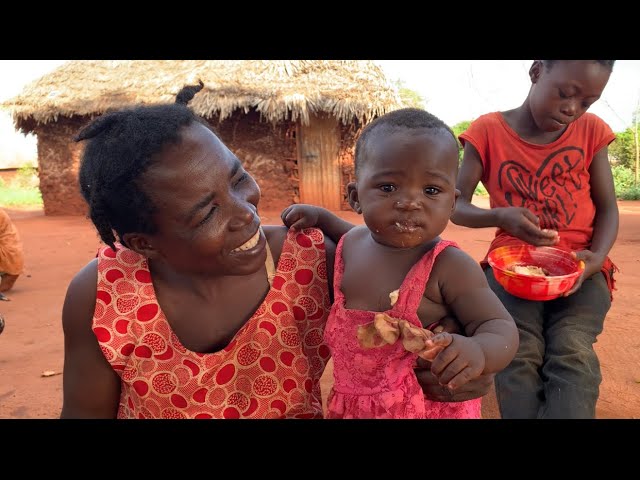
(278, 89)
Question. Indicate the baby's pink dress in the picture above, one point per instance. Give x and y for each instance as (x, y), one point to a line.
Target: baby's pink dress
(380, 382)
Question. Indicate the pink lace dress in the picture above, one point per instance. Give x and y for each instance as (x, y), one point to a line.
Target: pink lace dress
(380, 382)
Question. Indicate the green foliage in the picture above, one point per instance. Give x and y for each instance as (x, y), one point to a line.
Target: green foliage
(624, 182)
(632, 193)
(22, 190)
(623, 178)
(480, 190)
(623, 150)
(458, 128)
(408, 97)
(20, 197)
(26, 177)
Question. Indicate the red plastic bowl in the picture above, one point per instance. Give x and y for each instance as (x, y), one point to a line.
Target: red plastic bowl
(562, 267)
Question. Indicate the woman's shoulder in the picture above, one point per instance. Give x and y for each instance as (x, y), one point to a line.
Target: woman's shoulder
(275, 235)
(80, 300)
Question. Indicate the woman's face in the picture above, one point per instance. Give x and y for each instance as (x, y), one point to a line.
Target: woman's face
(206, 208)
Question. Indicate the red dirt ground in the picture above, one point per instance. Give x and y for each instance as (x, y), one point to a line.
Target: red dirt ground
(57, 247)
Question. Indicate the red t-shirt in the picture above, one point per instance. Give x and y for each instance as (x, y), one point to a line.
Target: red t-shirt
(551, 180)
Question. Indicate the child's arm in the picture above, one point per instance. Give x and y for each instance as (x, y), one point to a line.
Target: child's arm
(301, 216)
(519, 222)
(491, 339)
(606, 221)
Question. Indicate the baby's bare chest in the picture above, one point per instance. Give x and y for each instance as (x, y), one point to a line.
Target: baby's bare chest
(366, 285)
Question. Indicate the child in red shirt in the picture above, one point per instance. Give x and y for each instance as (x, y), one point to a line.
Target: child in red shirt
(545, 166)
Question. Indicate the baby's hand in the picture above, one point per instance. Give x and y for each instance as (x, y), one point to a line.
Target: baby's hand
(300, 216)
(461, 359)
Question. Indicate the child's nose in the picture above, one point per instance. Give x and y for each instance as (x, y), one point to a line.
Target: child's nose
(408, 202)
(569, 108)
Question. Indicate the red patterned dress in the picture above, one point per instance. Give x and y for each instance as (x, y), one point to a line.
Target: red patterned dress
(271, 368)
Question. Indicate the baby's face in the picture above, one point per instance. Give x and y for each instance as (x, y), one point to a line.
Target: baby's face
(405, 186)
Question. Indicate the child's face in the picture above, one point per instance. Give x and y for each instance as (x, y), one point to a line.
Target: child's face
(562, 94)
(206, 207)
(405, 187)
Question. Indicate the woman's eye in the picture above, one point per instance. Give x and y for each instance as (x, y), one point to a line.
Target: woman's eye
(241, 179)
(207, 217)
(431, 191)
(388, 188)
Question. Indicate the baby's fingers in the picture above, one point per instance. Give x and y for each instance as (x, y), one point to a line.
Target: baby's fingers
(430, 353)
(443, 340)
(462, 377)
(454, 367)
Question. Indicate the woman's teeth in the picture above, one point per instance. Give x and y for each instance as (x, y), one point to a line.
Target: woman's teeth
(252, 242)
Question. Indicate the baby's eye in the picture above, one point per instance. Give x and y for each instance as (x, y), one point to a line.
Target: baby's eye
(431, 191)
(562, 94)
(388, 188)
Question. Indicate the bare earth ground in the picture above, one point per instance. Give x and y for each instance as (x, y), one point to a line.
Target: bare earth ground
(57, 247)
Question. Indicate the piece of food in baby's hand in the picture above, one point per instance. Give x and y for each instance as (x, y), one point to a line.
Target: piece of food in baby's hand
(529, 270)
(393, 296)
(413, 338)
(382, 331)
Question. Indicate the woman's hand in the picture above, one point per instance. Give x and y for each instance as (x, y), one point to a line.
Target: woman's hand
(478, 387)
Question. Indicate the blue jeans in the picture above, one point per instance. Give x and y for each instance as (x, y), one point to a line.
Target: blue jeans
(556, 372)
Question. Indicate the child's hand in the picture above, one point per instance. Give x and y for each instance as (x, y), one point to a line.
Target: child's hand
(461, 360)
(592, 265)
(300, 216)
(523, 224)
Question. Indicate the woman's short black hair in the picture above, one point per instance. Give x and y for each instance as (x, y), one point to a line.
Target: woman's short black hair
(119, 147)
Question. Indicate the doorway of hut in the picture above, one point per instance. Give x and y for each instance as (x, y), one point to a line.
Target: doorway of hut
(318, 162)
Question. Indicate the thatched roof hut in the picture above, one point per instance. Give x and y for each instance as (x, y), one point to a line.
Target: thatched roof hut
(292, 123)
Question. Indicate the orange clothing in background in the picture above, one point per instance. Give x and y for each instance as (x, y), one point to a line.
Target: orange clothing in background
(11, 257)
(551, 180)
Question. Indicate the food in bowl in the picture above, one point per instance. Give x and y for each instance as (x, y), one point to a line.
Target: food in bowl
(561, 271)
(529, 270)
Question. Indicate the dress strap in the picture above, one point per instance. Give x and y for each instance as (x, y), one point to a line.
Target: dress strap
(338, 271)
(415, 283)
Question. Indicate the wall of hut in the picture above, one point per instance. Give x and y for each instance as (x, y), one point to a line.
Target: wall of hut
(58, 163)
(268, 153)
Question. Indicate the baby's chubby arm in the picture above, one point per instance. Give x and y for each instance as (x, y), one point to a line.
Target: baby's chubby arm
(491, 339)
(301, 216)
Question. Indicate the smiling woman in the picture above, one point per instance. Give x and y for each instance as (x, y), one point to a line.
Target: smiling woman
(199, 311)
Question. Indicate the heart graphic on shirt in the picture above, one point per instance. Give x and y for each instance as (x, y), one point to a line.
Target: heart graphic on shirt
(549, 191)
